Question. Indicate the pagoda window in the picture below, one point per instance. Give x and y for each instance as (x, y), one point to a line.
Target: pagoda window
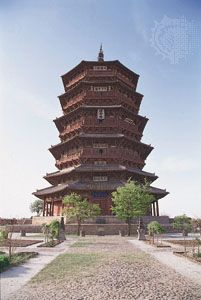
(100, 88)
(100, 178)
(100, 145)
(100, 114)
(100, 68)
(129, 120)
(100, 151)
(99, 194)
(100, 162)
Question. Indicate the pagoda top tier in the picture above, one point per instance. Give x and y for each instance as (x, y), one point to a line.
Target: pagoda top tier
(99, 68)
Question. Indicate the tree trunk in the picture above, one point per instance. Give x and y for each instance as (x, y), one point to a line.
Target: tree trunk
(129, 227)
(78, 227)
(185, 232)
(9, 251)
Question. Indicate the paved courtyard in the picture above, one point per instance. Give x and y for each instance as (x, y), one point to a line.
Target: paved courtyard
(102, 268)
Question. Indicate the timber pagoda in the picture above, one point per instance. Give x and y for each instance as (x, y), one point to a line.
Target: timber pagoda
(100, 135)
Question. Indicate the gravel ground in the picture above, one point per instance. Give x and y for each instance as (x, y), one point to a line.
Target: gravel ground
(124, 272)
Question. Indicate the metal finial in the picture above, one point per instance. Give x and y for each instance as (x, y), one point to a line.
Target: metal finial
(101, 54)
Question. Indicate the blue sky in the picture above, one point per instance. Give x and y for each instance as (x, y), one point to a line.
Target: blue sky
(41, 40)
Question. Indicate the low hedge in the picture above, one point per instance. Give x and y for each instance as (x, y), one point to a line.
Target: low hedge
(4, 262)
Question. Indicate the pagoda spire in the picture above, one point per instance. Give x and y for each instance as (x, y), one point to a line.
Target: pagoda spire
(101, 54)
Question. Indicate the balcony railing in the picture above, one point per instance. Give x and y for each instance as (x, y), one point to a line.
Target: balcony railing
(72, 127)
(100, 73)
(74, 100)
(106, 153)
(114, 153)
(68, 158)
(110, 122)
(93, 125)
(109, 73)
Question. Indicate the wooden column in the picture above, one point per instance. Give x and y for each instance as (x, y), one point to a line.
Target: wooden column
(52, 208)
(48, 208)
(44, 207)
(154, 209)
(61, 209)
(157, 208)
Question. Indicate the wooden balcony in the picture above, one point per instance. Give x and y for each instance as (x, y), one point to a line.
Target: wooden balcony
(100, 73)
(72, 101)
(108, 153)
(125, 79)
(100, 95)
(72, 127)
(67, 158)
(109, 125)
(96, 153)
(94, 73)
(75, 79)
(127, 100)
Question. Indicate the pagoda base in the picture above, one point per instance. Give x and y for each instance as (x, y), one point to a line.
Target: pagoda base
(54, 208)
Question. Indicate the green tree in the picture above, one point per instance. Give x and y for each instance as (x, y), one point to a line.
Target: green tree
(196, 225)
(37, 207)
(51, 230)
(154, 228)
(54, 228)
(182, 223)
(79, 209)
(131, 200)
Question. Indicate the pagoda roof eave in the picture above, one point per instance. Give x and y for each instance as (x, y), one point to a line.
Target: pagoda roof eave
(96, 106)
(98, 168)
(84, 82)
(99, 135)
(50, 190)
(158, 193)
(85, 62)
(106, 186)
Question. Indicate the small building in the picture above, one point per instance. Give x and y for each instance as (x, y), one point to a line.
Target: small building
(100, 135)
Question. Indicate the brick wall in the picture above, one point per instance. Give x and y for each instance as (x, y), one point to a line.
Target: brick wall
(41, 220)
(90, 229)
(103, 220)
(15, 221)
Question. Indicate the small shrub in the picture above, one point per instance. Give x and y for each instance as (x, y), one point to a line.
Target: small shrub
(4, 262)
(182, 223)
(54, 228)
(154, 228)
(3, 234)
(197, 255)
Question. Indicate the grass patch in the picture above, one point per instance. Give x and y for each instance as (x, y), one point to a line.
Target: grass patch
(21, 257)
(67, 265)
(81, 244)
(51, 243)
(18, 258)
(19, 242)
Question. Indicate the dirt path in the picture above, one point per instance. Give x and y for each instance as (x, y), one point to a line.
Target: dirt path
(108, 268)
(182, 265)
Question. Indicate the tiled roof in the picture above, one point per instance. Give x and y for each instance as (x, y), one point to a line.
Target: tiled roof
(51, 190)
(100, 168)
(103, 185)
